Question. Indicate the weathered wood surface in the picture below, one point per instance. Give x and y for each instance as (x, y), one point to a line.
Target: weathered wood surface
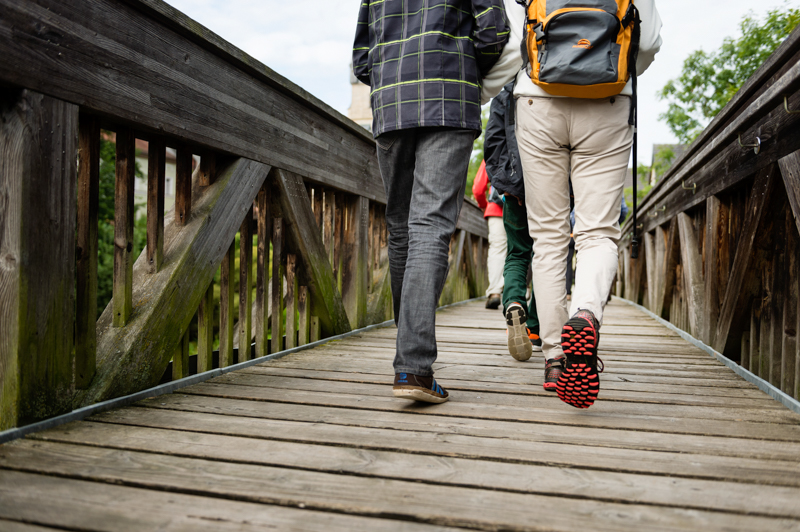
(315, 440)
(38, 186)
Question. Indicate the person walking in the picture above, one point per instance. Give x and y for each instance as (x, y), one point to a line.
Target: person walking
(503, 166)
(493, 213)
(424, 61)
(590, 137)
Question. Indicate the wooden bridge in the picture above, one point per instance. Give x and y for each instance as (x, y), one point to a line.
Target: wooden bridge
(239, 377)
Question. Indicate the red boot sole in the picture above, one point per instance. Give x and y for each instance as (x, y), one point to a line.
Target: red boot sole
(579, 384)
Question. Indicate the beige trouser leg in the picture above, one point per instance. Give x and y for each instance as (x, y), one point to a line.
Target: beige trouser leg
(593, 138)
(497, 255)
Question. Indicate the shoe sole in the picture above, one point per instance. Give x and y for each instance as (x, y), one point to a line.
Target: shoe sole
(550, 387)
(519, 345)
(419, 394)
(579, 383)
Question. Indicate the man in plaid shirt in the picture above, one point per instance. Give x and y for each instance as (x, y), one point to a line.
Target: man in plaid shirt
(424, 61)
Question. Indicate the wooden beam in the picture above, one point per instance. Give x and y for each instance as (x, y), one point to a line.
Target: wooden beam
(453, 280)
(245, 294)
(180, 360)
(124, 220)
(205, 331)
(291, 301)
(208, 168)
(156, 167)
(759, 198)
(38, 184)
(715, 234)
(327, 303)
(183, 185)
(86, 296)
(651, 265)
(660, 242)
(303, 311)
(135, 357)
(226, 291)
(262, 272)
(356, 261)
(693, 273)
(790, 171)
(672, 247)
(277, 284)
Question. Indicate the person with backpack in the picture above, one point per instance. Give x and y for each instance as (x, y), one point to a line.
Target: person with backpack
(498, 247)
(576, 114)
(424, 61)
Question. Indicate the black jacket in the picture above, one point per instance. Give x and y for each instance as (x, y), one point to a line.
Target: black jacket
(500, 149)
(424, 60)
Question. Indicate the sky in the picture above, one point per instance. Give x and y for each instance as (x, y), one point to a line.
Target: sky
(310, 42)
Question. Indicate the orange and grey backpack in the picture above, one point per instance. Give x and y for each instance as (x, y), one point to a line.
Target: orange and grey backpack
(584, 49)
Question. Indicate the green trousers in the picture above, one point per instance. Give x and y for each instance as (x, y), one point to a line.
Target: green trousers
(518, 259)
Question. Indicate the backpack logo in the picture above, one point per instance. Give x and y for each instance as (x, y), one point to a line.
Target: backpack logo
(584, 43)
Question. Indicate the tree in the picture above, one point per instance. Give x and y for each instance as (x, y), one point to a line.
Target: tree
(708, 81)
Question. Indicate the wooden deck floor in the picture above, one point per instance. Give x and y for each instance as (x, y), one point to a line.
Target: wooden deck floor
(314, 441)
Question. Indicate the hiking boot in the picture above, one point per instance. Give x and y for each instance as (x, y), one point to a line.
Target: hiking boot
(579, 383)
(493, 302)
(519, 345)
(536, 342)
(418, 388)
(553, 369)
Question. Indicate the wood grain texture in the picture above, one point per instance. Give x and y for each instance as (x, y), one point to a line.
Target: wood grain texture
(691, 261)
(245, 284)
(276, 328)
(38, 184)
(226, 297)
(264, 230)
(123, 226)
(355, 285)
(205, 331)
(790, 172)
(156, 168)
(183, 185)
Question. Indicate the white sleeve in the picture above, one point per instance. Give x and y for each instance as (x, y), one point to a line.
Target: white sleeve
(510, 60)
(650, 42)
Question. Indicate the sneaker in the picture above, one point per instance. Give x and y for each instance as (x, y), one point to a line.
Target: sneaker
(418, 388)
(579, 383)
(493, 302)
(553, 369)
(519, 345)
(536, 342)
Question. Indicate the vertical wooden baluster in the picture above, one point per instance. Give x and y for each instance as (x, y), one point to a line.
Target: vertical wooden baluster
(88, 201)
(155, 203)
(790, 305)
(205, 331)
(316, 205)
(338, 232)
(277, 285)
(180, 360)
(245, 294)
(354, 279)
(123, 227)
(370, 252)
(291, 301)
(303, 308)
(713, 238)
(226, 308)
(183, 185)
(262, 273)
(315, 332)
(208, 168)
(328, 227)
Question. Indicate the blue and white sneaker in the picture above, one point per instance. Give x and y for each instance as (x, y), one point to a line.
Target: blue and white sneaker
(418, 388)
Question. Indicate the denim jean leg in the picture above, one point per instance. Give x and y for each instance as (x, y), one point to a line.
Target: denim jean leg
(440, 171)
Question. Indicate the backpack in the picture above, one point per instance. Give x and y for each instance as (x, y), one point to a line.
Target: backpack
(585, 49)
(581, 48)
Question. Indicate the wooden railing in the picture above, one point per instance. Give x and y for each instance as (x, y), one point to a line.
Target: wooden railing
(279, 171)
(720, 230)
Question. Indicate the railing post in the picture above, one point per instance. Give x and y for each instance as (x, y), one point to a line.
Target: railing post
(354, 276)
(262, 271)
(245, 295)
(155, 203)
(226, 308)
(123, 227)
(38, 177)
(277, 284)
(205, 331)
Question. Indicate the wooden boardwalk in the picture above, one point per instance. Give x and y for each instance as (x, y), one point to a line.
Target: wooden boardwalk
(314, 441)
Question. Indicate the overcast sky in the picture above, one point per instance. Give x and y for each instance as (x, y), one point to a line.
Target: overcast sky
(310, 41)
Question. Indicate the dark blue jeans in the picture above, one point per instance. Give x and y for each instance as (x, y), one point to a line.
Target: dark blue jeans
(424, 172)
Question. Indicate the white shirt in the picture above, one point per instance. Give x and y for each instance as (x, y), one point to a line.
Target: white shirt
(510, 62)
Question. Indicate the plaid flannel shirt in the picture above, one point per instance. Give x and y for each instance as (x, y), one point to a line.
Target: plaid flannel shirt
(424, 60)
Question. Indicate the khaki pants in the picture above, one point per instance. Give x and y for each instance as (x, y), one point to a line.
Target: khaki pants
(497, 255)
(591, 138)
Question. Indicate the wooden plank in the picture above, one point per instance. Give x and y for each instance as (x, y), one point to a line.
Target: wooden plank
(277, 285)
(205, 331)
(315, 329)
(338, 239)
(124, 219)
(759, 198)
(790, 172)
(183, 185)
(156, 161)
(245, 292)
(454, 506)
(303, 311)
(714, 236)
(328, 226)
(651, 265)
(38, 187)
(291, 301)
(775, 313)
(692, 269)
(327, 303)
(356, 261)
(86, 295)
(208, 168)
(180, 360)
(226, 294)
(262, 272)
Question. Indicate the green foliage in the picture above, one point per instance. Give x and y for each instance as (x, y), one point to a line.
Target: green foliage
(105, 226)
(477, 153)
(662, 160)
(708, 81)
